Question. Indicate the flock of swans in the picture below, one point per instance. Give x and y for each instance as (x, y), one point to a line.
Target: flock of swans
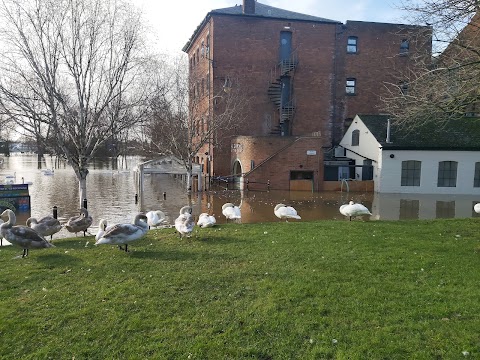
(33, 235)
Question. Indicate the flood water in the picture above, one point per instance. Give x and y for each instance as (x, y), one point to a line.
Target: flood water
(111, 195)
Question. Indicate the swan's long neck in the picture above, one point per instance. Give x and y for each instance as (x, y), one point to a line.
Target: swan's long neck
(12, 219)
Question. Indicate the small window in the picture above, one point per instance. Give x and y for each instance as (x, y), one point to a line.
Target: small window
(203, 87)
(411, 171)
(404, 88)
(476, 177)
(352, 43)
(404, 47)
(447, 174)
(350, 86)
(355, 137)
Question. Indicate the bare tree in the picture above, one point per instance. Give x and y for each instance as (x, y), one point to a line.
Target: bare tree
(184, 119)
(71, 74)
(444, 87)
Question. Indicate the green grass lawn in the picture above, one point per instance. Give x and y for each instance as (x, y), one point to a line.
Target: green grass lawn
(297, 290)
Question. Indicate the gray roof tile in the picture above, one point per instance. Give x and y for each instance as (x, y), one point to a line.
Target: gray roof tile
(462, 134)
(263, 10)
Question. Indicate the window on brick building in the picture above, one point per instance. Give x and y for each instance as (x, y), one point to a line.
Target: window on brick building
(404, 47)
(352, 44)
(404, 88)
(350, 86)
(203, 87)
(198, 55)
(355, 137)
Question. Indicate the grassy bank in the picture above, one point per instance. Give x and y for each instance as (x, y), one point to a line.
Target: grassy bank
(317, 290)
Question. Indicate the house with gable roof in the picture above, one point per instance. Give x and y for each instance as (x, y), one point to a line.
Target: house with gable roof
(427, 159)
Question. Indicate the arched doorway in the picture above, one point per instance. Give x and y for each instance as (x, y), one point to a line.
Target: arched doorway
(237, 174)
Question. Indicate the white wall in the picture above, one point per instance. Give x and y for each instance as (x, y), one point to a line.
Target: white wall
(368, 147)
(391, 171)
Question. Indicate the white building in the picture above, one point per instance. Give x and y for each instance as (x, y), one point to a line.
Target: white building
(426, 160)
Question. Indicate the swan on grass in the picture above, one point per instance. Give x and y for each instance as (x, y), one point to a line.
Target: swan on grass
(102, 228)
(1, 237)
(155, 218)
(285, 212)
(231, 212)
(184, 223)
(20, 235)
(46, 226)
(79, 223)
(123, 234)
(476, 208)
(354, 209)
(206, 220)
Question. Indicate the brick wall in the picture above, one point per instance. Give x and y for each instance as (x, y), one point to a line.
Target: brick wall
(245, 49)
(280, 156)
(376, 63)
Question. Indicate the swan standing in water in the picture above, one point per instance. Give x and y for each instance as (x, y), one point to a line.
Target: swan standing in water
(184, 224)
(155, 218)
(231, 211)
(206, 220)
(354, 209)
(122, 234)
(20, 235)
(46, 226)
(285, 212)
(79, 223)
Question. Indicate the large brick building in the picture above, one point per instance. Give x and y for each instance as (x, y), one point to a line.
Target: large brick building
(306, 78)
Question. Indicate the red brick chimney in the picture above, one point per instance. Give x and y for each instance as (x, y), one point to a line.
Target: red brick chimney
(249, 6)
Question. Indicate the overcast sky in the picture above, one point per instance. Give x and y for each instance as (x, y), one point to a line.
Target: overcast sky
(174, 21)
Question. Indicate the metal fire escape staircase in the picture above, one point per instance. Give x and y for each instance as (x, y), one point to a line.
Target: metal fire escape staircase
(280, 91)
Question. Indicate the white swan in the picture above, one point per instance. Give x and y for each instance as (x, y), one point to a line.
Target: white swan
(206, 220)
(1, 237)
(122, 234)
(20, 235)
(354, 209)
(231, 211)
(102, 227)
(155, 218)
(184, 224)
(285, 212)
(476, 208)
(79, 223)
(46, 226)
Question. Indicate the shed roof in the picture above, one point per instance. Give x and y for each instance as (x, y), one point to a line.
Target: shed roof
(461, 134)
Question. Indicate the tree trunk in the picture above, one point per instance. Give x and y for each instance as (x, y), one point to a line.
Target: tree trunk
(82, 184)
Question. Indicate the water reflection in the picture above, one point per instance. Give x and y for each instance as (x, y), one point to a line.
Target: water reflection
(111, 195)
